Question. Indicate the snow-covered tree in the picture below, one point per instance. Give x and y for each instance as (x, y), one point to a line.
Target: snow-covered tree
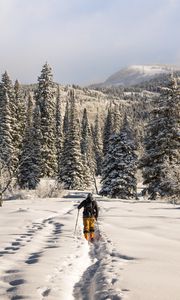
(30, 165)
(9, 88)
(85, 133)
(25, 162)
(6, 139)
(6, 178)
(37, 145)
(59, 127)
(98, 146)
(119, 166)
(72, 168)
(87, 148)
(107, 131)
(161, 160)
(20, 115)
(66, 119)
(117, 119)
(45, 99)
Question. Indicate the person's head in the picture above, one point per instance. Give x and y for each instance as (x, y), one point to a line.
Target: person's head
(89, 197)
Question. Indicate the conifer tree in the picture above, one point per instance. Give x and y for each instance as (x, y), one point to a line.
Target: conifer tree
(119, 166)
(59, 135)
(65, 147)
(161, 160)
(6, 132)
(107, 131)
(30, 166)
(87, 148)
(85, 133)
(98, 147)
(26, 166)
(72, 169)
(117, 123)
(37, 146)
(45, 99)
(9, 88)
(20, 114)
(66, 119)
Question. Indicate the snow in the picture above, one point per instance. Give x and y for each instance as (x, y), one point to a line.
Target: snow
(136, 258)
(135, 74)
(150, 70)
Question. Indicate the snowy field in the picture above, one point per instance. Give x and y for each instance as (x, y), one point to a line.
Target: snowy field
(136, 258)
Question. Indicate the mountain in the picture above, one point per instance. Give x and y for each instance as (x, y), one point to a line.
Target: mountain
(136, 74)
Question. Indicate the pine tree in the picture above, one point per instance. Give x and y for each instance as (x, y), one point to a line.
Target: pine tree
(107, 131)
(161, 160)
(20, 115)
(9, 88)
(117, 123)
(26, 166)
(87, 148)
(6, 139)
(59, 135)
(98, 147)
(85, 133)
(119, 166)
(30, 166)
(66, 119)
(45, 99)
(63, 172)
(36, 146)
(72, 170)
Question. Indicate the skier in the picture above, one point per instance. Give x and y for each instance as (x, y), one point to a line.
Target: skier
(90, 215)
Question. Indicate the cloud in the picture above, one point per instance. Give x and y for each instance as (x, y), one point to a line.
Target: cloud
(85, 40)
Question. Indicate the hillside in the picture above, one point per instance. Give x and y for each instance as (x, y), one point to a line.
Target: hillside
(137, 74)
(99, 100)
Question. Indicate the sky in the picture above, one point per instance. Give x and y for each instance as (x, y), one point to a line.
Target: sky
(86, 41)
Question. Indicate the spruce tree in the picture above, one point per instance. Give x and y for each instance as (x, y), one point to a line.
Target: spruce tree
(119, 166)
(98, 146)
(161, 160)
(87, 148)
(72, 169)
(45, 99)
(9, 88)
(117, 119)
(36, 146)
(107, 131)
(85, 133)
(30, 166)
(66, 119)
(62, 172)
(6, 133)
(59, 135)
(26, 166)
(20, 115)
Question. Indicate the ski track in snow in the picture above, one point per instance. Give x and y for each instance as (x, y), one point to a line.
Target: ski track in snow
(85, 272)
(101, 280)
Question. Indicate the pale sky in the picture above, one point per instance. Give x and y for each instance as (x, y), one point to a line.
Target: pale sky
(86, 41)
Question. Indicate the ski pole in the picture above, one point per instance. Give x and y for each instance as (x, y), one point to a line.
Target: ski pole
(76, 222)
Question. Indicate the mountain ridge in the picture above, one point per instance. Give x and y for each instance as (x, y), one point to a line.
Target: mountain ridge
(136, 74)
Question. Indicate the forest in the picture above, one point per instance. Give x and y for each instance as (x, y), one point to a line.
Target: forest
(75, 135)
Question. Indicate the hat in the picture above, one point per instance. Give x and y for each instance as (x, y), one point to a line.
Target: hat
(90, 197)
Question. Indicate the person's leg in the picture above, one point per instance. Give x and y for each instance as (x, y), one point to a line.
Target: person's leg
(86, 228)
(92, 224)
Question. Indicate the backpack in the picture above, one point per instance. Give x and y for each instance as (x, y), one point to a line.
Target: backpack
(89, 209)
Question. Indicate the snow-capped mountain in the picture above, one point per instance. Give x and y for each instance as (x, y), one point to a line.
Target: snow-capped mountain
(136, 74)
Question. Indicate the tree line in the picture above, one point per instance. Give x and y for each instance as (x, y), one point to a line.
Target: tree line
(37, 140)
